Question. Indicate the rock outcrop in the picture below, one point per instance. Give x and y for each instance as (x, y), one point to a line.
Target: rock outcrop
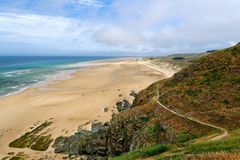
(129, 130)
(123, 105)
(92, 143)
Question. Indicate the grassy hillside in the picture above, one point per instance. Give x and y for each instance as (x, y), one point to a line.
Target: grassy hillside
(208, 89)
(223, 149)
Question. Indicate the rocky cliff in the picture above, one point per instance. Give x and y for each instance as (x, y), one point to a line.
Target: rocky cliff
(135, 128)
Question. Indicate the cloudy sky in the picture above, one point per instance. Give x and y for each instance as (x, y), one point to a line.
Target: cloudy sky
(117, 27)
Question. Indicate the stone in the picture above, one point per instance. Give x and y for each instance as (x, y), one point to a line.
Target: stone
(133, 94)
(124, 105)
(106, 109)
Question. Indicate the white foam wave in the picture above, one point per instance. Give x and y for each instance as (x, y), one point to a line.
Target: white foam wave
(16, 73)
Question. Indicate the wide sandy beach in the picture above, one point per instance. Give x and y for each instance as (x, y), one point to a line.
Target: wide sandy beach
(72, 102)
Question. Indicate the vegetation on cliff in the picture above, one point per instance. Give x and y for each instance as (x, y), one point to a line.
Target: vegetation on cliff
(209, 89)
(143, 153)
(33, 139)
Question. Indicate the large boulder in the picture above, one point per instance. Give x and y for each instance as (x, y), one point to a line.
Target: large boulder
(91, 143)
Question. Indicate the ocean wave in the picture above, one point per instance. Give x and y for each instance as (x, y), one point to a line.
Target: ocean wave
(74, 65)
(16, 73)
(15, 81)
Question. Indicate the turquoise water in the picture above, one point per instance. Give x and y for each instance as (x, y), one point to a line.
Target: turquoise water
(20, 72)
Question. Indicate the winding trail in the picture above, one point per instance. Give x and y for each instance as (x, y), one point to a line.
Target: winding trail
(219, 137)
(165, 71)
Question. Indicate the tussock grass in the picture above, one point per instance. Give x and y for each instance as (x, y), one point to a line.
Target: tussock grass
(214, 146)
(143, 153)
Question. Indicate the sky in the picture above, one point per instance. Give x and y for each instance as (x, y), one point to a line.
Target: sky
(117, 27)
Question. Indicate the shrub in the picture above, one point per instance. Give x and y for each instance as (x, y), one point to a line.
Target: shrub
(153, 129)
(190, 93)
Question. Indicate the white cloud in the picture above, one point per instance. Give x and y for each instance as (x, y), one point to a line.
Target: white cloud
(114, 36)
(46, 31)
(178, 26)
(79, 5)
(97, 3)
(148, 27)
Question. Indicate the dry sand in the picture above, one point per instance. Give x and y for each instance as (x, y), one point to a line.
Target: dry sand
(73, 102)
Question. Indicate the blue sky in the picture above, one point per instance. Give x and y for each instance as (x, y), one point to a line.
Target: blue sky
(116, 27)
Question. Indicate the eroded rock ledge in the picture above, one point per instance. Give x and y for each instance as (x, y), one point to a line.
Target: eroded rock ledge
(92, 143)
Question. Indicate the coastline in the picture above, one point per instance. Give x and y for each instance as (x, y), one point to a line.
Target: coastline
(72, 102)
(66, 73)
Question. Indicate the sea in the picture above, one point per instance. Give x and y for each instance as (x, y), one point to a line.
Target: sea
(20, 72)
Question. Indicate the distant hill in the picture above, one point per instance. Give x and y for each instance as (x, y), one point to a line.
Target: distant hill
(178, 60)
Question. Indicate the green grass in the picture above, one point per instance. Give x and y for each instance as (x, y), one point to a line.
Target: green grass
(42, 143)
(185, 136)
(214, 146)
(33, 140)
(229, 145)
(153, 129)
(143, 153)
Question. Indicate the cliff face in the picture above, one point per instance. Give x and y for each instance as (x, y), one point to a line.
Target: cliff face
(92, 143)
(132, 129)
(208, 90)
(148, 124)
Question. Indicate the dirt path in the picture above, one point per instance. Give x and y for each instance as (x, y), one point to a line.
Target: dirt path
(219, 137)
(169, 74)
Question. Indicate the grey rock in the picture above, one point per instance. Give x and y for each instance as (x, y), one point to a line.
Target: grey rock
(124, 105)
(106, 109)
(91, 143)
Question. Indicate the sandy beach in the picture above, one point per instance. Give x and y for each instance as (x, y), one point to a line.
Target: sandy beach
(72, 102)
